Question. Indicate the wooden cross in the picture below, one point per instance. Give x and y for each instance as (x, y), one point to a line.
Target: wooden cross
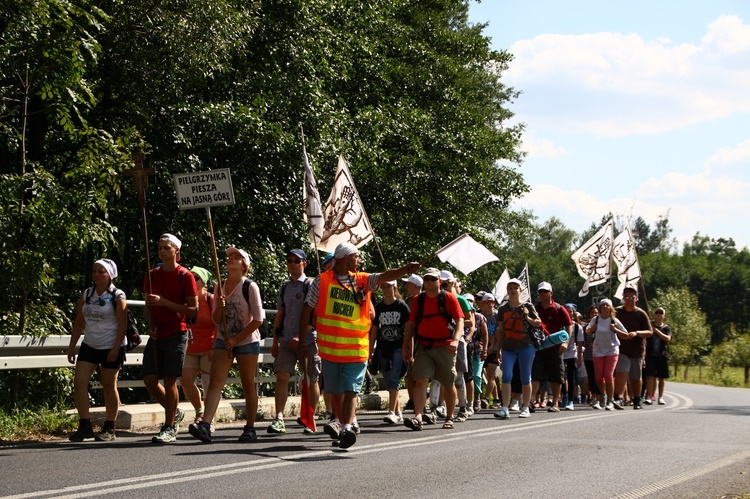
(140, 175)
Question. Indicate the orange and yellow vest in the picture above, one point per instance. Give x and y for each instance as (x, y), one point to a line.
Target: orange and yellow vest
(342, 320)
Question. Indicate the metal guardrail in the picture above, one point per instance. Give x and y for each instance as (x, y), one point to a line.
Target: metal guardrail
(48, 352)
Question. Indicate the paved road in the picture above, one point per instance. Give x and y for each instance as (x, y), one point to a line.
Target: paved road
(698, 445)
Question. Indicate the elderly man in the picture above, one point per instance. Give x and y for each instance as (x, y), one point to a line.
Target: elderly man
(341, 300)
(434, 328)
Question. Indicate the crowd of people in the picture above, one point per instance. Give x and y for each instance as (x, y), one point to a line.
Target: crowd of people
(457, 354)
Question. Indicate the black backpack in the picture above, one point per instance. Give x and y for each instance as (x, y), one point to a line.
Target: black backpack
(131, 331)
(441, 310)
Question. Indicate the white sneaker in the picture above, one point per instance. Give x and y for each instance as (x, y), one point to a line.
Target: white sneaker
(502, 413)
(392, 418)
(569, 406)
(661, 401)
(514, 407)
(596, 405)
(525, 413)
(441, 411)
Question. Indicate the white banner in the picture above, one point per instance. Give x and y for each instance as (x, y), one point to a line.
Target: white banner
(312, 210)
(345, 217)
(465, 254)
(500, 291)
(626, 258)
(524, 278)
(594, 259)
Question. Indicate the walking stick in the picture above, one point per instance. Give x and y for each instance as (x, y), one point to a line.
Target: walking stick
(140, 176)
(218, 272)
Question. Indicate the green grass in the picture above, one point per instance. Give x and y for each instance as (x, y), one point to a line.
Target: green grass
(26, 424)
(730, 376)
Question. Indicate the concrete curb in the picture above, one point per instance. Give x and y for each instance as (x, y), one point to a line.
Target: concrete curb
(143, 416)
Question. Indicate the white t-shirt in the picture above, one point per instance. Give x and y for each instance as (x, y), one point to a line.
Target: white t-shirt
(572, 351)
(101, 327)
(239, 313)
(606, 341)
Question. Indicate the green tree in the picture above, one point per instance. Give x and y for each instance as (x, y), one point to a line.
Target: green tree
(691, 337)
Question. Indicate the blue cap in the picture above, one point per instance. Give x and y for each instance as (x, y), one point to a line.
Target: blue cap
(329, 257)
(298, 253)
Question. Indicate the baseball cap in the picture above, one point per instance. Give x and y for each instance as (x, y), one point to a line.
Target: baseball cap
(431, 271)
(515, 281)
(329, 257)
(544, 286)
(298, 253)
(446, 275)
(488, 297)
(469, 297)
(414, 279)
(631, 287)
(243, 254)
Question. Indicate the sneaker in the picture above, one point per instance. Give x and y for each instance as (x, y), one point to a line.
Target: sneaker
(514, 406)
(332, 429)
(484, 403)
(618, 404)
(277, 426)
(308, 431)
(477, 407)
(610, 406)
(328, 415)
(661, 401)
(356, 428)
(165, 436)
(494, 405)
(525, 413)
(637, 405)
(391, 418)
(648, 401)
(569, 406)
(553, 408)
(347, 439)
(441, 411)
(502, 413)
(461, 416)
(84, 431)
(107, 434)
(596, 405)
(469, 410)
(248, 434)
(178, 417)
(202, 431)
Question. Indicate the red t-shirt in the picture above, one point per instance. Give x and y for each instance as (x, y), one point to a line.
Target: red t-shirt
(203, 329)
(433, 325)
(175, 286)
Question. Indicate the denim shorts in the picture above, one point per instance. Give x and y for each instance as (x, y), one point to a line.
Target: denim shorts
(343, 377)
(247, 349)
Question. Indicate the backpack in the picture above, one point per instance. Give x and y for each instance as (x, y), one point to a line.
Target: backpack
(263, 328)
(131, 330)
(443, 313)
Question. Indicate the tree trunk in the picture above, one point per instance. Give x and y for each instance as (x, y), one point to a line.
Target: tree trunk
(685, 373)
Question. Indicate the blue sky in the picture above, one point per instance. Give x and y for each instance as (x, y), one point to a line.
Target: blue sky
(639, 108)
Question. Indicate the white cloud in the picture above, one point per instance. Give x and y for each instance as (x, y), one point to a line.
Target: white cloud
(538, 147)
(613, 84)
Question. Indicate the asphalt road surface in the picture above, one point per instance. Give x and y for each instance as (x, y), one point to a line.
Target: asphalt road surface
(697, 445)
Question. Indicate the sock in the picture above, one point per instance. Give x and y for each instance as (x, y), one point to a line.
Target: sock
(347, 427)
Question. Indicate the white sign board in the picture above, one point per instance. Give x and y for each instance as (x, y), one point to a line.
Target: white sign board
(204, 189)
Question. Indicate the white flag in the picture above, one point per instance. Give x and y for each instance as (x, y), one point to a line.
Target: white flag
(524, 278)
(465, 254)
(626, 258)
(500, 291)
(313, 213)
(345, 217)
(594, 258)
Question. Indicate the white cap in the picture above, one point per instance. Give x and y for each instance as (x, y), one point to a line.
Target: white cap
(469, 296)
(488, 297)
(172, 239)
(446, 276)
(414, 279)
(544, 286)
(243, 254)
(109, 266)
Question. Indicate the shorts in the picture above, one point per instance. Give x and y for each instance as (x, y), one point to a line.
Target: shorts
(435, 363)
(548, 365)
(170, 352)
(492, 358)
(343, 376)
(197, 361)
(462, 362)
(99, 357)
(657, 367)
(286, 361)
(632, 365)
(247, 349)
(392, 367)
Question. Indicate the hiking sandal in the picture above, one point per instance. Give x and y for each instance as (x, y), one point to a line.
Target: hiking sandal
(448, 425)
(413, 423)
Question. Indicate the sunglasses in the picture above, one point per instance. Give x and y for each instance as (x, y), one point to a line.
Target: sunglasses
(197, 277)
(658, 313)
(430, 278)
(295, 261)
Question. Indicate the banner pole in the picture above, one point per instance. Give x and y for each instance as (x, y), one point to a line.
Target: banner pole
(217, 270)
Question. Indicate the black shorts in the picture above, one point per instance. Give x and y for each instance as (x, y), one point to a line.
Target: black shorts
(657, 367)
(99, 357)
(170, 352)
(492, 359)
(548, 365)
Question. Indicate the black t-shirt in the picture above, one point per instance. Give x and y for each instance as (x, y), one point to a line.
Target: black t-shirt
(655, 346)
(390, 320)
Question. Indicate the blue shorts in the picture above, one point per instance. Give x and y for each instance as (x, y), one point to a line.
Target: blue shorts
(343, 377)
(392, 368)
(249, 349)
